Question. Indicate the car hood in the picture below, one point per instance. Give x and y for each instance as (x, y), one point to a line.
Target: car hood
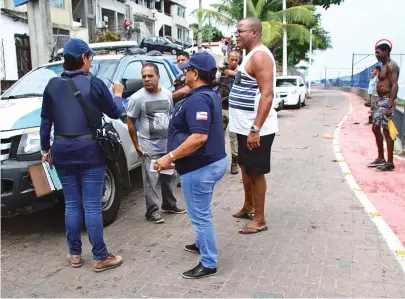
(285, 89)
(21, 113)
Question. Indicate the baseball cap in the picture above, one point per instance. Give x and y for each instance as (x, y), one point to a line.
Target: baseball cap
(203, 61)
(76, 47)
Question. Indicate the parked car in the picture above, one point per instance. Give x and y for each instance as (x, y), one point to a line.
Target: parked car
(193, 48)
(20, 141)
(160, 44)
(292, 90)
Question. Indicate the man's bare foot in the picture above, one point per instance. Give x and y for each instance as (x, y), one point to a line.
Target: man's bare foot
(253, 227)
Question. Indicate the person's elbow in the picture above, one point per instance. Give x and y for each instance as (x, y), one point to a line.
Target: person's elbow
(268, 96)
(200, 139)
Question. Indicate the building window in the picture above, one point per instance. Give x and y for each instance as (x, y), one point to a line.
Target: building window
(181, 12)
(57, 3)
(179, 34)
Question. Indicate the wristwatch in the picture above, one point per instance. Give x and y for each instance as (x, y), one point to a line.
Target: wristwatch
(254, 129)
(172, 157)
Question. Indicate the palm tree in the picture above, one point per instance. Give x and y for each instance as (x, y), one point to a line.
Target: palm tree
(299, 18)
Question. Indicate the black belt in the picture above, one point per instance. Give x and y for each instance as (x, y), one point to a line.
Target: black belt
(88, 136)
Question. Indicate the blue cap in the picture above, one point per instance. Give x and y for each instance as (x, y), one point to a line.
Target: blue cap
(76, 47)
(203, 61)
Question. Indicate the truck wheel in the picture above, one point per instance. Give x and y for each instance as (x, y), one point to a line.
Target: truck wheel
(112, 193)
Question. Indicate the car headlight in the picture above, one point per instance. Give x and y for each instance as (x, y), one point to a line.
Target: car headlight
(30, 142)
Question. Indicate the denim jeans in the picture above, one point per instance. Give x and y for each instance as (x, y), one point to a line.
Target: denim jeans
(197, 187)
(82, 187)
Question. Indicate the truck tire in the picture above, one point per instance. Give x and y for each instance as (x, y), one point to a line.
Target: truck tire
(112, 193)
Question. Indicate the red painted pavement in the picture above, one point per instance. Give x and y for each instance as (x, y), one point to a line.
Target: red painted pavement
(386, 191)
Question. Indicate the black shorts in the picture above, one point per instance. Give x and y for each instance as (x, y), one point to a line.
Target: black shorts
(257, 160)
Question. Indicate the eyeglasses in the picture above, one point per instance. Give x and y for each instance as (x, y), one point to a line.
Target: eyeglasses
(239, 31)
(186, 70)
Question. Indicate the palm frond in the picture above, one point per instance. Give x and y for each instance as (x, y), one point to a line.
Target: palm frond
(295, 15)
(297, 32)
(215, 16)
(251, 10)
(272, 32)
(260, 5)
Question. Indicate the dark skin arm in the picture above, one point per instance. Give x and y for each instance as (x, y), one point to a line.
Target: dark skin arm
(393, 71)
(179, 94)
(261, 68)
(189, 146)
(134, 136)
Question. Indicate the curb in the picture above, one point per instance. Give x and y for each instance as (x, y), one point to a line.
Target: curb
(394, 244)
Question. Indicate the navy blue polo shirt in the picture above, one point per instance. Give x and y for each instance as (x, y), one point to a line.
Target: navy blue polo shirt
(199, 112)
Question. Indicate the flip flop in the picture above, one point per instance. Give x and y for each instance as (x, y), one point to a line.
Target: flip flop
(252, 230)
(248, 216)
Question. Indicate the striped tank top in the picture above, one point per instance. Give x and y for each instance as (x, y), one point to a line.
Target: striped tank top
(245, 97)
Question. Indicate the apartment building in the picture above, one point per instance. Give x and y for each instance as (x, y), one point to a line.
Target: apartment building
(15, 53)
(153, 17)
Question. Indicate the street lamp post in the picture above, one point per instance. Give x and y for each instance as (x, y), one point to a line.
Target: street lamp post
(284, 39)
(199, 35)
(310, 61)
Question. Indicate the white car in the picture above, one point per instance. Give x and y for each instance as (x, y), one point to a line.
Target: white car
(292, 90)
(192, 49)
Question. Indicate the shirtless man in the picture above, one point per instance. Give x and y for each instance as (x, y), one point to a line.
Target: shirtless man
(387, 89)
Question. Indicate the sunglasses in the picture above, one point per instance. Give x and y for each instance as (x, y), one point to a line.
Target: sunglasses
(239, 31)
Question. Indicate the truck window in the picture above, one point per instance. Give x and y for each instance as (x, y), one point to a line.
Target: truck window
(165, 80)
(34, 83)
(133, 71)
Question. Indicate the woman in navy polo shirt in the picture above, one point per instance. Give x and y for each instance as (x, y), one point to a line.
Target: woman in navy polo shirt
(196, 145)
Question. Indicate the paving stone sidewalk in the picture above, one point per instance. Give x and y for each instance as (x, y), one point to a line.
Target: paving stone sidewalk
(320, 242)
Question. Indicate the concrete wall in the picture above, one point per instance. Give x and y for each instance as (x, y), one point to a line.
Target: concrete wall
(10, 55)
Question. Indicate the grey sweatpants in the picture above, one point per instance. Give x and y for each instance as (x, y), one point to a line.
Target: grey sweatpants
(150, 179)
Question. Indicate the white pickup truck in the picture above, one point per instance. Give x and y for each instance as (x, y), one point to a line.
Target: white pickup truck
(20, 118)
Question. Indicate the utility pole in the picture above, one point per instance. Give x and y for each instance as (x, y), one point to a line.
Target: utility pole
(244, 16)
(351, 79)
(284, 39)
(326, 70)
(310, 61)
(199, 36)
(40, 31)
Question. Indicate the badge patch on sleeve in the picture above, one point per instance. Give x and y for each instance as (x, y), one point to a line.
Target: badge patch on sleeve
(202, 115)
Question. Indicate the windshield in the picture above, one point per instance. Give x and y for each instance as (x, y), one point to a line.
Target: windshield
(286, 82)
(33, 85)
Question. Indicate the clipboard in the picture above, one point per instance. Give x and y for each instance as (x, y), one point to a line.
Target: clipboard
(44, 179)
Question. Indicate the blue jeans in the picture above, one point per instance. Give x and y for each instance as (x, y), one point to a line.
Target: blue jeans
(197, 187)
(82, 187)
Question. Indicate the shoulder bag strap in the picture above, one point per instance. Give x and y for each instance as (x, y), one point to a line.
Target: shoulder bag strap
(78, 95)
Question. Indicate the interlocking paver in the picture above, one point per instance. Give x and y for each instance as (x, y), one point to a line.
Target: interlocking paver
(320, 241)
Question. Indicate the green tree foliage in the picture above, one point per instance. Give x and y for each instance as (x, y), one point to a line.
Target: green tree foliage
(209, 33)
(108, 36)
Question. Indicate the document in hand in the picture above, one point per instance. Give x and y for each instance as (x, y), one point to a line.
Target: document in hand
(44, 179)
(169, 171)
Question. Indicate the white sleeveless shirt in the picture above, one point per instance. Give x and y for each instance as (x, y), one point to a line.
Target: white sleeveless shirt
(244, 100)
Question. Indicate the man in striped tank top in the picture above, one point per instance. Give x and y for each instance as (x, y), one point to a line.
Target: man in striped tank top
(253, 118)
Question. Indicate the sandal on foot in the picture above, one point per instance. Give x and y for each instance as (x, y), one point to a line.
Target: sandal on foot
(75, 260)
(248, 216)
(252, 230)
